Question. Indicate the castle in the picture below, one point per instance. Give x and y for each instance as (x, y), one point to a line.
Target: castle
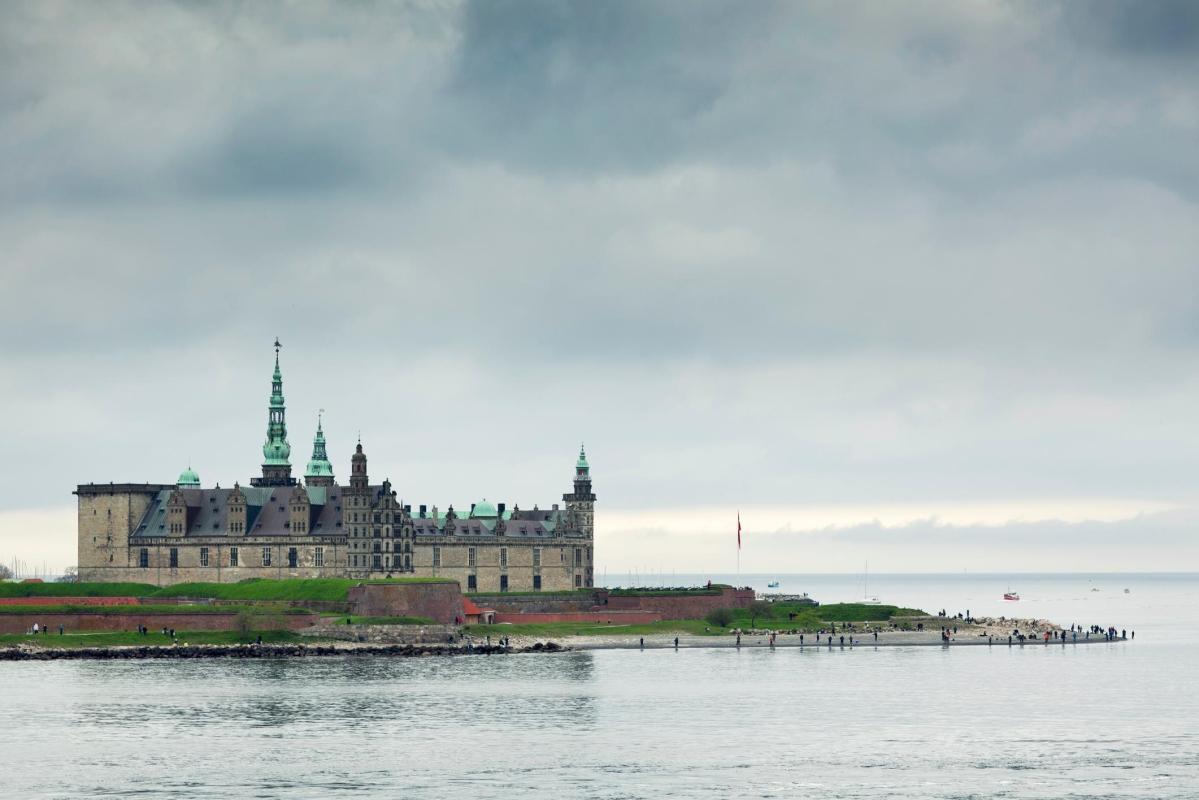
(279, 527)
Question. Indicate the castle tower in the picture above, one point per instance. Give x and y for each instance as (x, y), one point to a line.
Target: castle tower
(320, 471)
(358, 479)
(581, 502)
(276, 468)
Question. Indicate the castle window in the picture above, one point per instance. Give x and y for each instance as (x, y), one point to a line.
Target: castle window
(233, 556)
(537, 583)
(504, 557)
(578, 581)
(503, 583)
(376, 562)
(266, 556)
(143, 558)
(318, 557)
(203, 556)
(293, 557)
(437, 556)
(470, 557)
(174, 558)
(578, 557)
(407, 562)
(472, 583)
(537, 556)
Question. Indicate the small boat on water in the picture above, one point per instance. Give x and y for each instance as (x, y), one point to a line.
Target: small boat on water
(1127, 592)
(1011, 595)
(772, 585)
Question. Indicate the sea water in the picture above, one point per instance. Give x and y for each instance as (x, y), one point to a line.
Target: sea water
(1102, 721)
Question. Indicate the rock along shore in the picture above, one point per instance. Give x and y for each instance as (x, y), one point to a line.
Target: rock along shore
(119, 653)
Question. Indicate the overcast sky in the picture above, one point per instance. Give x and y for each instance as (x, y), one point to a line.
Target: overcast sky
(915, 283)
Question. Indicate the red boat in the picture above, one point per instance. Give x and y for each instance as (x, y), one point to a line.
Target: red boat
(1011, 595)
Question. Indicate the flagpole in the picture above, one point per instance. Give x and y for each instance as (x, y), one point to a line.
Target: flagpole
(738, 547)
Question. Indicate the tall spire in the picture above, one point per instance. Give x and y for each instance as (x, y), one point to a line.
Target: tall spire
(276, 468)
(320, 470)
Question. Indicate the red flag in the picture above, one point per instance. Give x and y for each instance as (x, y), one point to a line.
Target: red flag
(738, 530)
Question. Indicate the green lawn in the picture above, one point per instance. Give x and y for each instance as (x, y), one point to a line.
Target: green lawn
(531, 593)
(76, 589)
(561, 629)
(669, 591)
(122, 638)
(808, 618)
(327, 589)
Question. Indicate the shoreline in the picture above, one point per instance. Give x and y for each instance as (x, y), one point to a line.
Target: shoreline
(519, 645)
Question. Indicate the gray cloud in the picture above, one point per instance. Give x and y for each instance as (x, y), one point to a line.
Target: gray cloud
(825, 253)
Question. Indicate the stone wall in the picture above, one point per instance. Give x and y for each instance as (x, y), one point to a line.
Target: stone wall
(73, 623)
(440, 602)
(535, 603)
(391, 634)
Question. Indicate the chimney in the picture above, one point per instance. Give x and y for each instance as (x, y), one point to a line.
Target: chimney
(500, 508)
(422, 511)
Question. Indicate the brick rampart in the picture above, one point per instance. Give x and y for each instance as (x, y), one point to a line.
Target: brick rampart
(696, 606)
(73, 623)
(597, 617)
(68, 601)
(440, 602)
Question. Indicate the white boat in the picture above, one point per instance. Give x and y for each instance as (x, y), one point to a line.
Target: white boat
(867, 598)
(1010, 595)
(772, 585)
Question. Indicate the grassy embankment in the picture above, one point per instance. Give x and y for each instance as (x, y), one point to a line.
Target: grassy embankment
(155, 608)
(253, 590)
(807, 618)
(253, 598)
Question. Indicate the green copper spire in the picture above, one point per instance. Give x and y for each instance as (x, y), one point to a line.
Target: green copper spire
(319, 466)
(276, 451)
(581, 464)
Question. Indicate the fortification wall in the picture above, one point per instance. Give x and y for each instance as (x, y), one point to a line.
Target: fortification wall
(73, 623)
(535, 604)
(68, 601)
(440, 602)
(695, 606)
